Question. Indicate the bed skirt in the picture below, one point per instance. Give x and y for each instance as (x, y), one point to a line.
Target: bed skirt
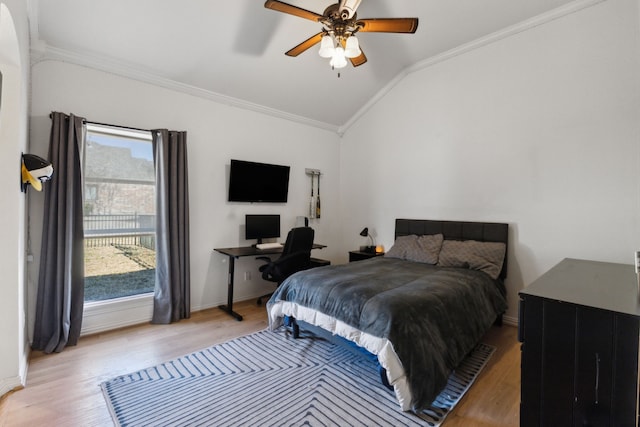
(380, 347)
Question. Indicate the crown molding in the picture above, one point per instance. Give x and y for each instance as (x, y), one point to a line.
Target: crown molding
(41, 52)
(536, 21)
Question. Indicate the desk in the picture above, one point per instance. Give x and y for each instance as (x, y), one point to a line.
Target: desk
(235, 253)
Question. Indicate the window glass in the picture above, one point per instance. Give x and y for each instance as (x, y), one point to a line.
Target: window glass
(119, 213)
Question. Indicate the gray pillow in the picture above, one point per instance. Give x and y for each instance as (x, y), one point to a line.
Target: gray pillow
(423, 249)
(426, 249)
(482, 256)
(399, 248)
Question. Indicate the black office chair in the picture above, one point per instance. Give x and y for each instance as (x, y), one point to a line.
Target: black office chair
(295, 256)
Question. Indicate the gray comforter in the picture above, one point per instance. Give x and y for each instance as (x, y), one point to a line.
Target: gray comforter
(432, 316)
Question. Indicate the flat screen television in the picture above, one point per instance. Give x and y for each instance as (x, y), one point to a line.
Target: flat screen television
(258, 182)
(261, 227)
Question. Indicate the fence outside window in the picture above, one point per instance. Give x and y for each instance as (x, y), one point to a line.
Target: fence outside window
(124, 229)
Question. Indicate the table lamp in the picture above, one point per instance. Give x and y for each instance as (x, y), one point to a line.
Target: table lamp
(372, 247)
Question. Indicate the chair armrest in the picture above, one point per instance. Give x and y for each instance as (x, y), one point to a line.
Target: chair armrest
(285, 266)
(266, 259)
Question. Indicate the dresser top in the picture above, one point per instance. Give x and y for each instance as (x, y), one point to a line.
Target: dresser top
(595, 284)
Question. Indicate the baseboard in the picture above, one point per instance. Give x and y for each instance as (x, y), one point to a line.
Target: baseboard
(246, 297)
(8, 385)
(24, 364)
(509, 320)
(107, 315)
(115, 314)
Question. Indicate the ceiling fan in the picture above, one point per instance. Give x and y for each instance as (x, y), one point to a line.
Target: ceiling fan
(340, 24)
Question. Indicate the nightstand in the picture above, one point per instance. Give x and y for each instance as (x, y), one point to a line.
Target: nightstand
(360, 255)
(317, 262)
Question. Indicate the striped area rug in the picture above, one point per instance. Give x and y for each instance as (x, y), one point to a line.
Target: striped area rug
(270, 379)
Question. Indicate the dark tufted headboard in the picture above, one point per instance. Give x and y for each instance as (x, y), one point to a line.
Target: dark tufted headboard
(458, 230)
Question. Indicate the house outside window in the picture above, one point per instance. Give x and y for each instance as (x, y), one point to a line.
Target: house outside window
(119, 213)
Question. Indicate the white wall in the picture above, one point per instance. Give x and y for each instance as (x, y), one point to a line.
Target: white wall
(216, 133)
(539, 130)
(14, 60)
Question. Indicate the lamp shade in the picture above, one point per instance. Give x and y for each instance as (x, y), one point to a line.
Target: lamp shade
(338, 60)
(326, 47)
(352, 49)
(372, 247)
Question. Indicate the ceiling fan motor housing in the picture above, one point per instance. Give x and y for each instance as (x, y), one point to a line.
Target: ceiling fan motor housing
(348, 8)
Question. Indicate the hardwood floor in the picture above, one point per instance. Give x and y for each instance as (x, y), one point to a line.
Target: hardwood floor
(63, 389)
(494, 399)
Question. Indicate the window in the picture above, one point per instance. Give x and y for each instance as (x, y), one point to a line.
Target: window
(119, 213)
(90, 196)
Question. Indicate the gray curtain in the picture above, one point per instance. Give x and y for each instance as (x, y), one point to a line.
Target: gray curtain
(61, 281)
(172, 295)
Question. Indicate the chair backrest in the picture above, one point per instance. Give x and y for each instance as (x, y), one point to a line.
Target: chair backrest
(299, 239)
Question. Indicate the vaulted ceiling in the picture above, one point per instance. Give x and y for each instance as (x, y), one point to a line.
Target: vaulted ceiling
(233, 50)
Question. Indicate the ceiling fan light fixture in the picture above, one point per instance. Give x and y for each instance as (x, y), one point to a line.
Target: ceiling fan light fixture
(339, 24)
(338, 60)
(326, 47)
(352, 49)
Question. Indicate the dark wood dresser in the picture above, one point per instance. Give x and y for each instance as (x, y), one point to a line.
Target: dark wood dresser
(579, 326)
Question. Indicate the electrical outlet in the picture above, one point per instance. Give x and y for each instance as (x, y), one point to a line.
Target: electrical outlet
(247, 275)
(637, 261)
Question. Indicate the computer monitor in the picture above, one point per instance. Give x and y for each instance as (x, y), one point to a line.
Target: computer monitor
(262, 227)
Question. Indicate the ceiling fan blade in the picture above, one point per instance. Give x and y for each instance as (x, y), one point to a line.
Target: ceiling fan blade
(358, 60)
(388, 25)
(292, 10)
(311, 41)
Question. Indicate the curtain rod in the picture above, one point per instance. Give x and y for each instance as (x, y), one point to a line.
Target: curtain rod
(107, 124)
(116, 126)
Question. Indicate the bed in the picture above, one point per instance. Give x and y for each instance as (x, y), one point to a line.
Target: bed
(420, 309)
